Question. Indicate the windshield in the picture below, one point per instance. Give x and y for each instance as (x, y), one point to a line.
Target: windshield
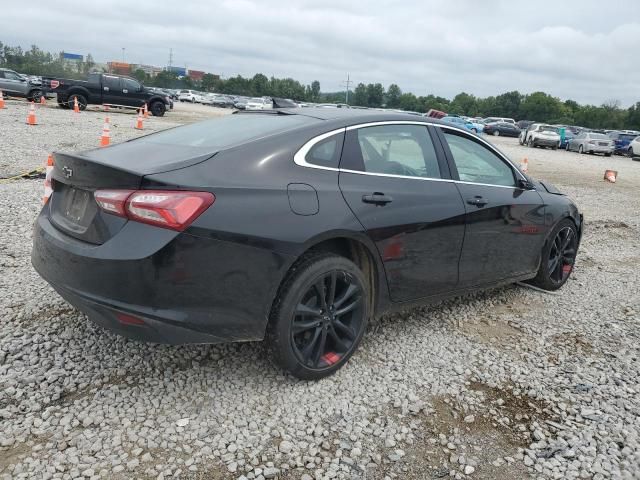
(598, 136)
(549, 129)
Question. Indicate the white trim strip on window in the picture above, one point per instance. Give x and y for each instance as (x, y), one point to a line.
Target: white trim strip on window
(299, 157)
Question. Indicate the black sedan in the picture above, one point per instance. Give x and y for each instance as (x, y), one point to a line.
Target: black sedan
(499, 128)
(294, 225)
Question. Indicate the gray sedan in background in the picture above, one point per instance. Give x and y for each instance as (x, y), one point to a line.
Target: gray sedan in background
(589, 142)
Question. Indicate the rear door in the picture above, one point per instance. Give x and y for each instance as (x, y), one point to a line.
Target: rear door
(505, 224)
(111, 90)
(400, 190)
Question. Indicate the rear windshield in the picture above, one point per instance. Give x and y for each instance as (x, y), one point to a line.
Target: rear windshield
(229, 130)
(549, 129)
(598, 136)
(627, 136)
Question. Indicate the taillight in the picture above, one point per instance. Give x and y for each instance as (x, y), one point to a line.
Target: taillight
(591, 142)
(163, 208)
(48, 189)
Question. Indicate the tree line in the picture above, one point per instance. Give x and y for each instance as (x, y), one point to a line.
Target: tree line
(538, 106)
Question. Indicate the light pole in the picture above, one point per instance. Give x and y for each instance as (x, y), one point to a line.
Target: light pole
(123, 54)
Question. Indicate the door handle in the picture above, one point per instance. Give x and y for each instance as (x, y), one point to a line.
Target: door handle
(478, 201)
(377, 198)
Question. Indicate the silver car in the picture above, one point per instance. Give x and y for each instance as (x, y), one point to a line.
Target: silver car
(589, 142)
(15, 85)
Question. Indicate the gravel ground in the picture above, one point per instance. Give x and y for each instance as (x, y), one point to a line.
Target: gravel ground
(507, 384)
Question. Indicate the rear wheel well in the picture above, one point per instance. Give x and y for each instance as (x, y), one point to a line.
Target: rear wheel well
(350, 249)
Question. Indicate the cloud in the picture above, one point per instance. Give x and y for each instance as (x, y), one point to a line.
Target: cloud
(575, 49)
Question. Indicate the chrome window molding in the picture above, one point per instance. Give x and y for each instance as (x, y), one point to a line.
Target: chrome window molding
(299, 157)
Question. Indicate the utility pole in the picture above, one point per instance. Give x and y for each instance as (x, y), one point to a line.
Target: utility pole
(346, 84)
(122, 54)
(170, 58)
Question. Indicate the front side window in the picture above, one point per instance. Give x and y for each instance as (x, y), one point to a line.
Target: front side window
(130, 85)
(476, 163)
(11, 75)
(393, 150)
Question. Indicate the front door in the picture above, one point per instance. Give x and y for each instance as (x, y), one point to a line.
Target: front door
(505, 223)
(401, 193)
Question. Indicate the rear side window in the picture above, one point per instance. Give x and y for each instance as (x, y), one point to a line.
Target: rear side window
(476, 163)
(405, 150)
(112, 83)
(327, 152)
(227, 131)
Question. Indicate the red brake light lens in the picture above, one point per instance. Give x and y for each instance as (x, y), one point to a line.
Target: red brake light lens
(113, 201)
(175, 210)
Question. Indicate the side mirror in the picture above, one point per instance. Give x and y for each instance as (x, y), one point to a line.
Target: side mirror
(525, 185)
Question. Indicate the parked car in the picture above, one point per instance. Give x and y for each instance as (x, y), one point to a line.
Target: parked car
(477, 124)
(523, 124)
(460, 122)
(260, 103)
(188, 96)
(237, 229)
(634, 149)
(15, 85)
(499, 119)
(540, 135)
(106, 89)
(502, 128)
(241, 103)
(621, 141)
(589, 142)
(568, 136)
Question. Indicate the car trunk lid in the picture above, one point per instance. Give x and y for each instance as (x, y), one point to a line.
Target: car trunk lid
(72, 207)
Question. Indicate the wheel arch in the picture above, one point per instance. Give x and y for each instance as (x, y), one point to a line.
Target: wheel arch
(354, 246)
(78, 91)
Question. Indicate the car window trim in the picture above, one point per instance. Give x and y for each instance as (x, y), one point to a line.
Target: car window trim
(299, 156)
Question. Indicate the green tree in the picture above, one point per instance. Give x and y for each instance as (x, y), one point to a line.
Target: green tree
(360, 95)
(507, 105)
(393, 96)
(464, 104)
(315, 90)
(375, 95)
(259, 84)
(540, 107)
(140, 75)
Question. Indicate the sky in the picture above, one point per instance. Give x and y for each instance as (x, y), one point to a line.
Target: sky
(581, 50)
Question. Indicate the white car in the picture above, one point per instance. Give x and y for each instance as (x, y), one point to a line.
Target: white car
(634, 149)
(188, 96)
(259, 104)
(498, 120)
(540, 135)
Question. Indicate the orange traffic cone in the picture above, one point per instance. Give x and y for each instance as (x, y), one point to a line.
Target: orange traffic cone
(31, 118)
(146, 111)
(43, 101)
(139, 125)
(524, 166)
(76, 108)
(105, 139)
(47, 180)
(1, 100)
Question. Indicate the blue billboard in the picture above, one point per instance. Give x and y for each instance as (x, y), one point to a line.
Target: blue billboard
(180, 71)
(71, 56)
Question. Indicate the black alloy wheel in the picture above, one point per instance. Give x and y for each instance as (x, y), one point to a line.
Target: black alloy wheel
(558, 257)
(327, 319)
(319, 317)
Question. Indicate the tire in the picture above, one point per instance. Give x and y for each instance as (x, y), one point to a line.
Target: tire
(566, 147)
(607, 154)
(555, 147)
(158, 108)
(300, 291)
(474, 130)
(581, 150)
(531, 143)
(82, 102)
(496, 133)
(630, 152)
(556, 263)
(63, 105)
(34, 96)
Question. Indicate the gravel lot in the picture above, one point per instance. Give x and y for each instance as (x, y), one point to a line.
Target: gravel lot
(508, 384)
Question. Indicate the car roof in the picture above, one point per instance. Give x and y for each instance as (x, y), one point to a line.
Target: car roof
(334, 118)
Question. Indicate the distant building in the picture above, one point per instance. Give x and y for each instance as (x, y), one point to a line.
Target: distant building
(180, 71)
(119, 68)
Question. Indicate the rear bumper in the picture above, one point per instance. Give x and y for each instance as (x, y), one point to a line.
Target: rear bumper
(180, 288)
(599, 149)
(546, 142)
